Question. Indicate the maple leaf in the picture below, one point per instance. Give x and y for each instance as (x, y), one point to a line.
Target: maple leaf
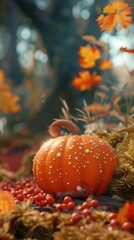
(116, 13)
(88, 56)
(86, 80)
(105, 64)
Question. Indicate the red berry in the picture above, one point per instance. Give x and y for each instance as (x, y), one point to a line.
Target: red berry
(18, 186)
(36, 191)
(67, 199)
(50, 200)
(59, 207)
(42, 203)
(112, 216)
(17, 201)
(85, 205)
(86, 212)
(20, 197)
(71, 205)
(75, 218)
(113, 223)
(79, 208)
(126, 226)
(95, 203)
(30, 190)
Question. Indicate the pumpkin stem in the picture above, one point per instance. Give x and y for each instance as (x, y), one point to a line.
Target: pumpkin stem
(54, 128)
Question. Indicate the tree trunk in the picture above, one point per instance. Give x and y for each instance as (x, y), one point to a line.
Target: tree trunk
(59, 31)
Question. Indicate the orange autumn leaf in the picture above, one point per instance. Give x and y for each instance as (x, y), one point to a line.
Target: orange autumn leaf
(8, 100)
(88, 56)
(86, 80)
(130, 212)
(2, 76)
(7, 202)
(105, 64)
(126, 50)
(115, 14)
(126, 213)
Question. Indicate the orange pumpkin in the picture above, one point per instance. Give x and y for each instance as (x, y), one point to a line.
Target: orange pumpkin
(7, 201)
(66, 162)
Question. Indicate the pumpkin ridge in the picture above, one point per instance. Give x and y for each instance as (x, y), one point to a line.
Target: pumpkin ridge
(64, 186)
(83, 172)
(47, 163)
(84, 139)
(36, 163)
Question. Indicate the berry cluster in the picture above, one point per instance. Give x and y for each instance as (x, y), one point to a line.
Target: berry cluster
(113, 223)
(27, 189)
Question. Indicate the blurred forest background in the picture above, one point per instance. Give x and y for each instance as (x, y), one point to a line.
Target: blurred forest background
(39, 43)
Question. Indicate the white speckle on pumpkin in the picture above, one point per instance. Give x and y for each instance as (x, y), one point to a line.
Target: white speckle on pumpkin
(52, 150)
(69, 163)
(70, 147)
(87, 151)
(76, 158)
(50, 166)
(68, 183)
(49, 172)
(59, 154)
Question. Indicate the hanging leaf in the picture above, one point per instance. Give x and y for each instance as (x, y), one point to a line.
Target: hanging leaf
(115, 14)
